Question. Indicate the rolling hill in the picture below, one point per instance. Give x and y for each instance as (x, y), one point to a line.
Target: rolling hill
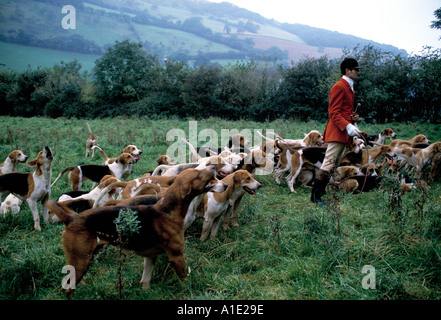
(31, 32)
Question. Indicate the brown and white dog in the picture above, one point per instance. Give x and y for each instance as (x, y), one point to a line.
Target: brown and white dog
(91, 142)
(256, 160)
(380, 139)
(214, 205)
(131, 149)
(222, 167)
(359, 184)
(32, 187)
(373, 155)
(343, 172)
(12, 203)
(435, 168)
(365, 181)
(130, 189)
(418, 139)
(418, 158)
(96, 172)
(87, 200)
(161, 227)
(237, 143)
(314, 156)
(284, 151)
(165, 159)
(312, 139)
(11, 161)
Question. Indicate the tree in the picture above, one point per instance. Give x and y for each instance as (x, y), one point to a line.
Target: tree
(61, 91)
(436, 24)
(125, 73)
(303, 94)
(199, 92)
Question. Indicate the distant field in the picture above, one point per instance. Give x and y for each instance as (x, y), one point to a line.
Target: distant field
(178, 41)
(285, 248)
(20, 58)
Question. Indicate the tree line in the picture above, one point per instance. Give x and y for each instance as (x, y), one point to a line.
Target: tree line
(129, 81)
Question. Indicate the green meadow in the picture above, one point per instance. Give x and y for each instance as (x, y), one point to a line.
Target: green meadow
(21, 58)
(285, 247)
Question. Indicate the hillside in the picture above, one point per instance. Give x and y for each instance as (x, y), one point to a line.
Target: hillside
(194, 30)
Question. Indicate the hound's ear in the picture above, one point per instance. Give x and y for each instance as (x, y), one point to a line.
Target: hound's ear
(32, 164)
(185, 189)
(123, 158)
(237, 178)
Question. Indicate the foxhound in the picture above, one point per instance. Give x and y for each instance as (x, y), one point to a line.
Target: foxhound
(313, 139)
(132, 150)
(418, 158)
(418, 139)
(314, 156)
(12, 203)
(222, 167)
(96, 172)
(343, 172)
(91, 141)
(161, 227)
(86, 200)
(214, 205)
(360, 184)
(435, 168)
(237, 144)
(130, 189)
(380, 139)
(11, 161)
(32, 187)
(373, 155)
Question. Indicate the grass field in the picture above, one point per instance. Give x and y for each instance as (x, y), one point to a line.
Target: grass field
(21, 58)
(285, 247)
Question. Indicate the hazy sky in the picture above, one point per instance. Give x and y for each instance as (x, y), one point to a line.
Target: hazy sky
(401, 23)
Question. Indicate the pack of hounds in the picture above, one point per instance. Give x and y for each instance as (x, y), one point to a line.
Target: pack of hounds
(169, 199)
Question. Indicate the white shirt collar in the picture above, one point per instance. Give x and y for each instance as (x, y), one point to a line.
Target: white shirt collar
(350, 81)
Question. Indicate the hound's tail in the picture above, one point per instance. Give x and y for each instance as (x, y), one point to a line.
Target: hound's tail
(88, 127)
(159, 170)
(61, 173)
(65, 214)
(102, 152)
(193, 151)
(109, 188)
(269, 139)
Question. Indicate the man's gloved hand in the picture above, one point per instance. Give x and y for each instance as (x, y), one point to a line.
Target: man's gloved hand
(352, 130)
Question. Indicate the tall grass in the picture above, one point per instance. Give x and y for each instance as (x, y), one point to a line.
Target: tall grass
(285, 247)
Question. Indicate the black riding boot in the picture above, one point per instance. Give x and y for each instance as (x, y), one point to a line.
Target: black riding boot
(319, 188)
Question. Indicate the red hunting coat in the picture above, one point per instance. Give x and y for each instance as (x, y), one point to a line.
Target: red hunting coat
(341, 105)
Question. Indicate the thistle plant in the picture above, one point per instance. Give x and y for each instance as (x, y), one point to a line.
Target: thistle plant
(127, 224)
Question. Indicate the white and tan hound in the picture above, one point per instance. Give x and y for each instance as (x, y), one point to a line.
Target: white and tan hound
(32, 187)
(214, 205)
(91, 141)
(11, 161)
(161, 227)
(131, 149)
(418, 158)
(96, 172)
(86, 200)
(380, 139)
